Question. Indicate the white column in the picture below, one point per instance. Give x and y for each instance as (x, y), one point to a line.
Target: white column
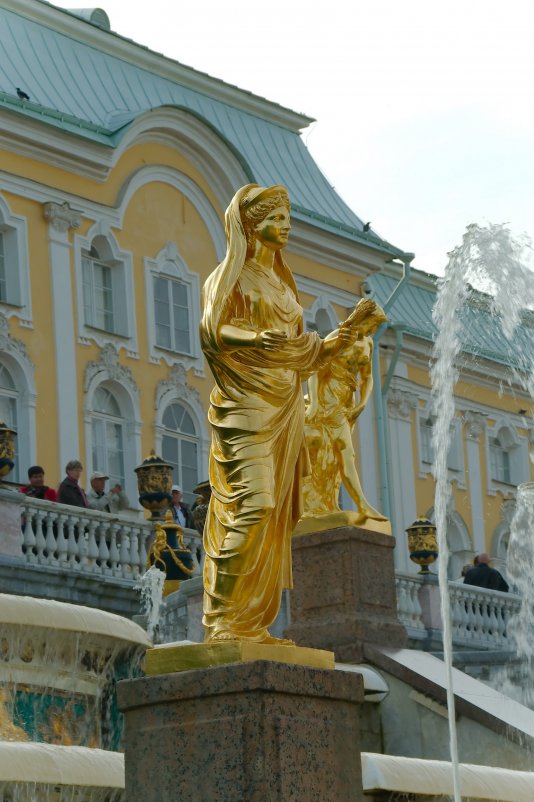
(474, 423)
(366, 447)
(401, 404)
(61, 218)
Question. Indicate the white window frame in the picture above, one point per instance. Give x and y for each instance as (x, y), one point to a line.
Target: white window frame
(108, 372)
(120, 262)
(183, 437)
(14, 357)
(516, 446)
(103, 420)
(15, 239)
(177, 390)
(169, 265)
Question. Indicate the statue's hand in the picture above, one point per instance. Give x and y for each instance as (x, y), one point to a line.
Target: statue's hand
(271, 339)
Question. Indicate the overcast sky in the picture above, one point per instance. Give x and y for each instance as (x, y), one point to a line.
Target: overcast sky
(424, 108)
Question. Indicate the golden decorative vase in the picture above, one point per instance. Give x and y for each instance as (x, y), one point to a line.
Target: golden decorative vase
(422, 543)
(154, 482)
(169, 553)
(7, 449)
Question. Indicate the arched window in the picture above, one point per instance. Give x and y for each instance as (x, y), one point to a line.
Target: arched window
(8, 410)
(180, 447)
(107, 435)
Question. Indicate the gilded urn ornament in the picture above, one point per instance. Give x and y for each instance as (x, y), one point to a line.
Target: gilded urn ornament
(422, 543)
(154, 482)
(7, 449)
(169, 553)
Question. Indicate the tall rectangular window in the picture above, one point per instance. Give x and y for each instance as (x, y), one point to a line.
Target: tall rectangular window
(171, 311)
(108, 452)
(500, 462)
(98, 294)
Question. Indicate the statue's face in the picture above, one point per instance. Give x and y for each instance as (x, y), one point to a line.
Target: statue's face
(273, 230)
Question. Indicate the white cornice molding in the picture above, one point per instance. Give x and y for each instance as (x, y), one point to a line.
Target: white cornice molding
(37, 140)
(334, 250)
(115, 45)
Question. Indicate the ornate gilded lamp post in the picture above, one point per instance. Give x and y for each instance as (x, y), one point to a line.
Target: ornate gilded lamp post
(7, 449)
(422, 543)
(154, 481)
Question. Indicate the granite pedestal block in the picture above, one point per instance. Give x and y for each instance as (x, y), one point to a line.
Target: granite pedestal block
(246, 732)
(344, 592)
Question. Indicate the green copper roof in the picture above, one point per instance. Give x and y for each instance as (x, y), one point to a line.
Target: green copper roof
(482, 335)
(78, 83)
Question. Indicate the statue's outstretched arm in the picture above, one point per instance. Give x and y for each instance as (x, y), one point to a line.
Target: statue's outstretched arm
(238, 337)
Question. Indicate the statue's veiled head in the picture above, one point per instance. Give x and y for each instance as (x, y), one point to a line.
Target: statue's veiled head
(265, 215)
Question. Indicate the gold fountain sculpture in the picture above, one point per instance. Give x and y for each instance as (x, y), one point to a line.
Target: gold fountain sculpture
(253, 339)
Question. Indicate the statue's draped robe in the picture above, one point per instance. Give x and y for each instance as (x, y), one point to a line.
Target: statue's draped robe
(257, 456)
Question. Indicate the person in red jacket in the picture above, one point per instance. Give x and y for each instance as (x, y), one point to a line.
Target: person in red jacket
(36, 487)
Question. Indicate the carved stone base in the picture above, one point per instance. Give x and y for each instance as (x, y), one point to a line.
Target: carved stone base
(257, 731)
(344, 592)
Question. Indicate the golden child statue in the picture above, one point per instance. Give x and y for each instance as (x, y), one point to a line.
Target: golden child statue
(337, 394)
(252, 336)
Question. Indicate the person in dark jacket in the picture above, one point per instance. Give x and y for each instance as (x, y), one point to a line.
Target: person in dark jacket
(180, 511)
(69, 491)
(483, 576)
(36, 487)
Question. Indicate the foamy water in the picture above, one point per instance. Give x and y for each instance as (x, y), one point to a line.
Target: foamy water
(491, 260)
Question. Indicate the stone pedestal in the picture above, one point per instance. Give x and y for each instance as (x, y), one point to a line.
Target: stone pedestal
(248, 732)
(344, 592)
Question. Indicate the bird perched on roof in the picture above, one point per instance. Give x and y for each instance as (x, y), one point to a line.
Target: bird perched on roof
(366, 226)
(22, 95)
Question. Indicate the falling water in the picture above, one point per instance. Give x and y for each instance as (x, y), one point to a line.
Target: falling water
(498, 265)
(150, 586)
(517, 680)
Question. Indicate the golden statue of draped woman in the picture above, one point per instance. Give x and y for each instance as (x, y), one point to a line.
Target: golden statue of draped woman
(252, 337)
(337, 395)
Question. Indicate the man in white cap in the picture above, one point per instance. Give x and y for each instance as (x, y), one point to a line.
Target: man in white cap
(112, 501)
(180, 511)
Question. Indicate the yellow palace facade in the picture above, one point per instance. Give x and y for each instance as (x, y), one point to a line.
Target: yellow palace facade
(116, 166)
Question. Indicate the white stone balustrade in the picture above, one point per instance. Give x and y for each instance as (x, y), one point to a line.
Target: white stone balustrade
(81, 540)
(479, 617)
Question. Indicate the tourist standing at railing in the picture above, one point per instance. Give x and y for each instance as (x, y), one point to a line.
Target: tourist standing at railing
(483, 576)
(36, 487)
(69, 491)
(111, 501)
(180, 511)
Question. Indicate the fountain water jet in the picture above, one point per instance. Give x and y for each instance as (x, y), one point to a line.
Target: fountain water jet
(491, 259)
